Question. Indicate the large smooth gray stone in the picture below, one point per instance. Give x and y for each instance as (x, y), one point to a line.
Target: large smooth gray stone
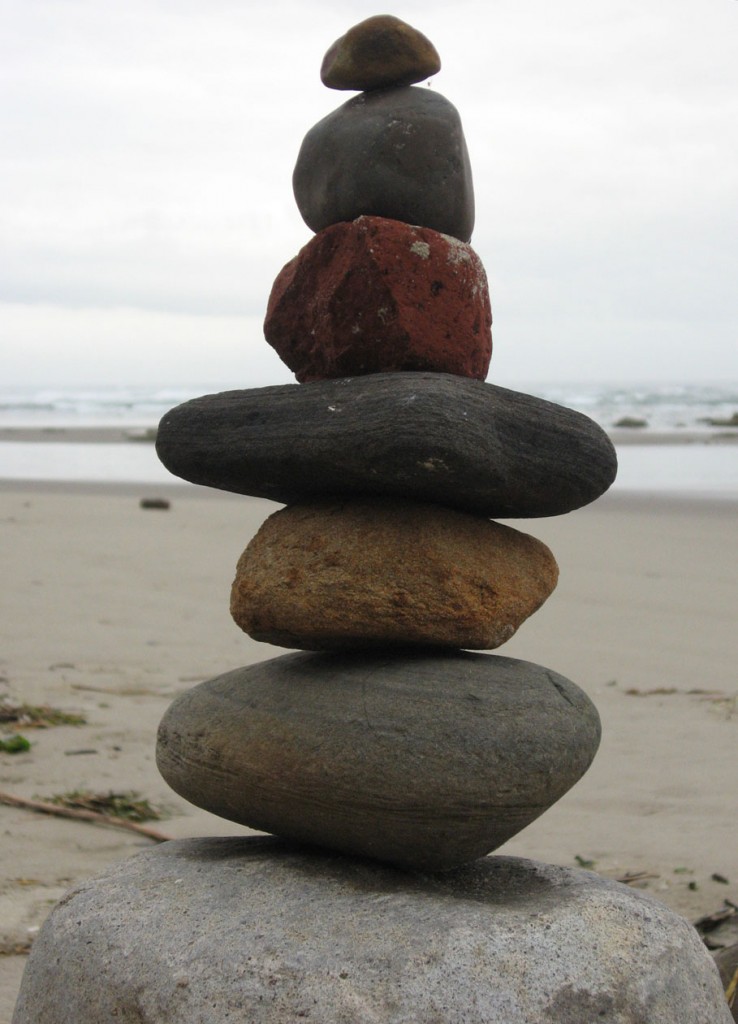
(236, 930)
(397, 153)
(428, 437)
(426, 760)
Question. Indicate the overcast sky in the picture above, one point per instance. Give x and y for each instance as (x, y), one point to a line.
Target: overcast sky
(147, 153)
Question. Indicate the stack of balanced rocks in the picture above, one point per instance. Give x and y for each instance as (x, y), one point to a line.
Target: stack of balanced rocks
(388, 758)
(392, 456)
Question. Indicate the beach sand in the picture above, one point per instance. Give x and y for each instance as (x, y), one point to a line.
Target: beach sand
(111, 610)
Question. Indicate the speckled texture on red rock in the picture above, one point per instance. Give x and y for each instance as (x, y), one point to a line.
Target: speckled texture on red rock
(377, 295)
(378, 52)
(341, 575)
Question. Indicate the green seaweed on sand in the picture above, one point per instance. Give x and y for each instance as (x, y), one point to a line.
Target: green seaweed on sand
(16, 744)
(584, 862)
(36, 716)
(129, 806)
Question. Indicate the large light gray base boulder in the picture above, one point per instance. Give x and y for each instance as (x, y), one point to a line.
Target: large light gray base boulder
(255, 930)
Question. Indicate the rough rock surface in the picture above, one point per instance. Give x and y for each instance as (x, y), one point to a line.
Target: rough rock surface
(422, 436)
(379, 295)
(397, 153)
(254, 930)
(335, 575)
(424, 760)
(379, 52)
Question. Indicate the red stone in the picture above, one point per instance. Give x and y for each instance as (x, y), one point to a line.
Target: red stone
(377, 295)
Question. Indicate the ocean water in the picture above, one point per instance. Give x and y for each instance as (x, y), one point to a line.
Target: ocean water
(667, 408)
(695, 468)
(93, 407)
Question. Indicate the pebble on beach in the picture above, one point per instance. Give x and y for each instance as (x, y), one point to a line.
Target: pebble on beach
(377, 295)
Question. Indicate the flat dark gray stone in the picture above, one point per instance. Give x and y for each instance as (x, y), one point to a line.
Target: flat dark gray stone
(426, 760)
(397, 153)
(422, 436)
(235, 930)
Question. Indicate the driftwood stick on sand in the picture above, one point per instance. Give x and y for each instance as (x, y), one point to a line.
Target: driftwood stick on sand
(94, 817)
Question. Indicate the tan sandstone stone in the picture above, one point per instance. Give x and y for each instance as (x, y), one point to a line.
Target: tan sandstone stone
(334, 575)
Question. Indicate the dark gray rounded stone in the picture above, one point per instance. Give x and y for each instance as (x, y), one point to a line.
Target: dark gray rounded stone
(429, 437)
(396, 153)
(227, 930)
(424, 760)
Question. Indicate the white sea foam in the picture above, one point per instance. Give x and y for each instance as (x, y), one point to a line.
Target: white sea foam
(673, 407)
(667, 407)
(80, 407)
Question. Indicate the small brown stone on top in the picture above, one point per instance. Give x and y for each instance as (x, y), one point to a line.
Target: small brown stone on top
(379, 52)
